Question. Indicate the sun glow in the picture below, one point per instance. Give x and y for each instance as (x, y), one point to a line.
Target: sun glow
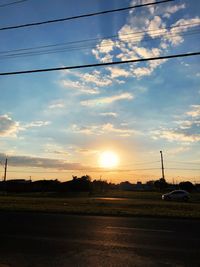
(108, 159)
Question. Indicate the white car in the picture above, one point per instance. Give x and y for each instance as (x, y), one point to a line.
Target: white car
(181, 195)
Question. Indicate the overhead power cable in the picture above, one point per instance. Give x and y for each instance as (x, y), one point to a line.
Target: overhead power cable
(100, 64)
(182, 169)
(84, 170)
(61, 49)
(159, 31)
(141, 163)
(184, 162)
(68, 47)
(98, 170)
(83, 15)
(13, 3)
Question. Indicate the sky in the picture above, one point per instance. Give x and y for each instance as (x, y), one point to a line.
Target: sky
(57, 124)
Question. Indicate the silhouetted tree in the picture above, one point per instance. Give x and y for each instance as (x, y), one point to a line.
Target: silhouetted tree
(188, 186)
(160, 184)
(99, 186)
(127, 186)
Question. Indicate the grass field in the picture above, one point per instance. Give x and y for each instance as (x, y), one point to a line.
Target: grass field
(111, 203)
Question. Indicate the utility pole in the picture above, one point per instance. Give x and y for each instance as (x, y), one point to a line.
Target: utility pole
(5, 170)
(162, 165)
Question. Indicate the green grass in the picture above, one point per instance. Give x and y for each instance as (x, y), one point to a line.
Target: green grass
(129, 204)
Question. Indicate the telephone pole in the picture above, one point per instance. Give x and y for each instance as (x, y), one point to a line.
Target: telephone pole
(162, 165)
(5, 170)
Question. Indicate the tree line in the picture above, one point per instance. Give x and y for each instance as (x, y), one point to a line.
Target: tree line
(86, 184)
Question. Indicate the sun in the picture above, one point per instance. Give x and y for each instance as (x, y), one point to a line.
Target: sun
(108, 159)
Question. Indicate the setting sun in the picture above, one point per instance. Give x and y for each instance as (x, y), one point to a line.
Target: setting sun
(108, 159)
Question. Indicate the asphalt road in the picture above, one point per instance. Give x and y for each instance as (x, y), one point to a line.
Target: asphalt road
(29, 240)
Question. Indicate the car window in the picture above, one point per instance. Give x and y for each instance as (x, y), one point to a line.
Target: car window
(177, 193)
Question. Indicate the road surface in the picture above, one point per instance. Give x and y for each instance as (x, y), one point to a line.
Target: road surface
(30, 240)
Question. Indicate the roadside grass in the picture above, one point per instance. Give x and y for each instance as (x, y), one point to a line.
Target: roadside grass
(116, 204)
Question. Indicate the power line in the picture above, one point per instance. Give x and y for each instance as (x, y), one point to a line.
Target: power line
(183, 169)
(13, 3)
(83, 15)
(103, 38)
(36, 52)
(83, 170)
(75, 48)
(99, 64)
(142, 163)
(98, 170)
(183, 162)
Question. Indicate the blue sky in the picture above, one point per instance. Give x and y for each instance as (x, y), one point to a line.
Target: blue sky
(56, 124)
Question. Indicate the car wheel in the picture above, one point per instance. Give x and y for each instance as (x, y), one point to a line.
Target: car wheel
(185, 199)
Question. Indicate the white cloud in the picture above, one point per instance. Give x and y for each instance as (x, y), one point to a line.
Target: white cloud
(36, 124)
(195, 112)
(157, 28)
(177, 150)
(87, 83)
(155, 24)
(102, 58)
(145, 52)
(86, 151)
(55, 149)
(59, 104)
(128, 45)
(176, 135)
(8, 127)
(112, 114)
(84, 129)
(103, 49)
(106, 100)
(141, 52)
(143, 71)
(193, 22)
(126, 54)
(186, 124)
(109, 128)
(105, 46)
(116, 72)
(81, 88)
(96, 78)
(188, 130)
(174, 34)
(150, 9)
(165, 10)
(102, 129)
(126, 33)
(169, 10)
(70, 84)
(129, 48)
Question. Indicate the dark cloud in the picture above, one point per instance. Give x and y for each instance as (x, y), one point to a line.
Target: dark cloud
(27, 161)
(8, 126)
